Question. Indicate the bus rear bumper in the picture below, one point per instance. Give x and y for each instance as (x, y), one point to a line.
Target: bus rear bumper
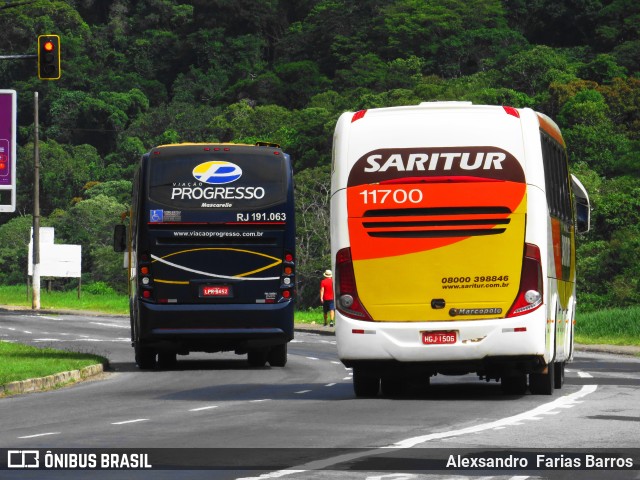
(520, 340)
(212, 328)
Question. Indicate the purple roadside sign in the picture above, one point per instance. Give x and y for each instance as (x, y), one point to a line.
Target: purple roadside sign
(8, 150)
(7, 135)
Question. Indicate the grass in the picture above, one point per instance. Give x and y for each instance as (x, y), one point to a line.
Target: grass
(615, 326)
(20, 362)
(310, 316)
(108, 303)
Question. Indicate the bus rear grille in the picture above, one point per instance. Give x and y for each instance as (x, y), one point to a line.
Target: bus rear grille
(440, 222)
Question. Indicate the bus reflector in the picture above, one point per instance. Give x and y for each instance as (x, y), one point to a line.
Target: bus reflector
(346, 292)
(358, 115)
(530, 293)
(512, 111)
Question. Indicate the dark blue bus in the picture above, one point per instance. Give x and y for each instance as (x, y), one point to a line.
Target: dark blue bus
(211, 251)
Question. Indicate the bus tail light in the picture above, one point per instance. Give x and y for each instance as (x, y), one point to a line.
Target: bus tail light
(287, 281)
(144, 277)
(531, 287)
(345, 285)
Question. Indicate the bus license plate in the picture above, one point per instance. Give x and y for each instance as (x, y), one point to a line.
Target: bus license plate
(223, 291)
(439, 338)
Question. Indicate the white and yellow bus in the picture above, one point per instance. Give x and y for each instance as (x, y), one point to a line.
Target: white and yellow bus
(453, 242)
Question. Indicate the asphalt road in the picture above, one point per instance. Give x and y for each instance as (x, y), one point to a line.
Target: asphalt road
(305, 417)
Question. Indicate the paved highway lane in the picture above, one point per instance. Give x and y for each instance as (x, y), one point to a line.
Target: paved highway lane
(217, 400)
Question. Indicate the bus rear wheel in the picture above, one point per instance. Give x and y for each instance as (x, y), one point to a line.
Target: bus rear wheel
(277, 356)
(167, 360)
(257, 357)
(559, 374)
(392, 386)
(365, 384)
(145, 357)
(515, 384)
(543, 383)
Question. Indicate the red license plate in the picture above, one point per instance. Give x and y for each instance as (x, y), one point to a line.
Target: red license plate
(216, 291)
(439, 338)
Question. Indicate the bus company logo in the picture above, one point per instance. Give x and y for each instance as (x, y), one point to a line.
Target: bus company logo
(217, 172)
(23, 459)
(396, 163)
(454, 312)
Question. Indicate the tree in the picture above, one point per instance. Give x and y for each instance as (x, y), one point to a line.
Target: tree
(90, 223)
(64, 170)
(120, 190)
(592, 137)
(312, 194)
(15, 236)
(84, 118)
(532, 71)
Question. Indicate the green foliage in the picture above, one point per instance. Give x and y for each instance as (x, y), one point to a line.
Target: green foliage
(14, 249)
(120, 190)
(136, 74)
(98, 288)
(312, 191)
(21, 362)
(612, 326)
(90, 223)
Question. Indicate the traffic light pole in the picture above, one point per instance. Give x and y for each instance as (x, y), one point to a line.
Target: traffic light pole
(35, 304)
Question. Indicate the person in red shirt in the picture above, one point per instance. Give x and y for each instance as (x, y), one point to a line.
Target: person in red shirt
(326, 297)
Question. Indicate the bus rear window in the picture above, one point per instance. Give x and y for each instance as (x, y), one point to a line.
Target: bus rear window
(230, 181)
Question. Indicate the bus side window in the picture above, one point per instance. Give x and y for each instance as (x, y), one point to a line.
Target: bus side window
(582, 205)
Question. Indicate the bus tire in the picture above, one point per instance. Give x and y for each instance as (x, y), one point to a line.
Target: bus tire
(515, 384)
(392, 387)
(559, 374)
(543, 383)
(145, 357)
(257, 357)
(167, 360)
(365, 384)
(278, 356)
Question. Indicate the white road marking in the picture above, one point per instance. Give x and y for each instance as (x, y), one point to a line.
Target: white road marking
(137, 420)
(203, 408)
(567, 400)
(329, 384)
(303, 391)
(97, 340)
(45, 317)
(110, 325)
(41, 435)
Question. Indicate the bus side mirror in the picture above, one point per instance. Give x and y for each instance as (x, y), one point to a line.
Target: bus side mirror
(120, 238)
(582, 206)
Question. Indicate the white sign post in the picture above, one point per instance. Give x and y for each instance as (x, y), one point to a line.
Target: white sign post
(56, 260)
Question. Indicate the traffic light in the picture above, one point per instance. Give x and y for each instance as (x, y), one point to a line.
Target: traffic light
(48, 57)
